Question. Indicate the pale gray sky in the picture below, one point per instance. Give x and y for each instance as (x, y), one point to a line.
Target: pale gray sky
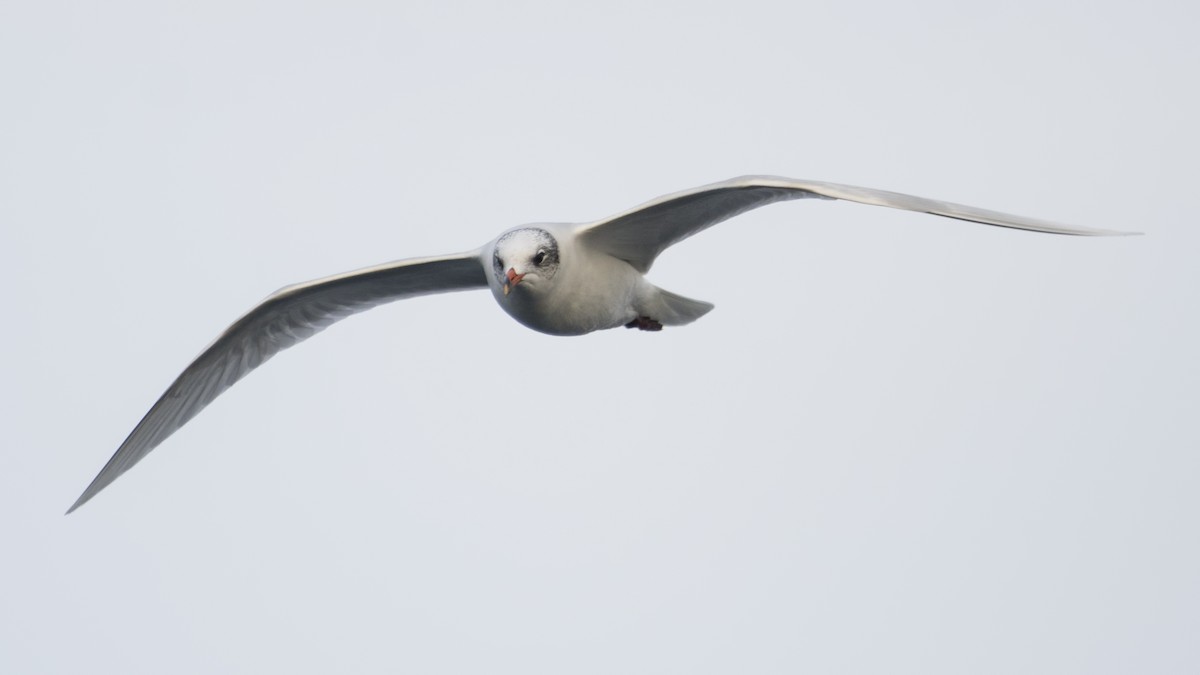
(900, 444)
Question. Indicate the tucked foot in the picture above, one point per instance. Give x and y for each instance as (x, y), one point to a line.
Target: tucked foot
(644, 323)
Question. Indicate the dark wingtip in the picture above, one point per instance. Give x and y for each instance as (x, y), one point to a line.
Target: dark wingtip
(78, 503)
(83, 498)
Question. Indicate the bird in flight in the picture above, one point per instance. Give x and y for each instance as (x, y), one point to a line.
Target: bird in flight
(557, 278)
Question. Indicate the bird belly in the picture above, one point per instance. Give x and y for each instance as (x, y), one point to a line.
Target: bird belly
(585, 299)
(576, 313)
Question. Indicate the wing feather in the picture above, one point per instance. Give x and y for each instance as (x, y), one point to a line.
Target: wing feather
(287, 317)
(640, 234)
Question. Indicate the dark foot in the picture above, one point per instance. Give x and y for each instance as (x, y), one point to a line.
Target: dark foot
(644, 323)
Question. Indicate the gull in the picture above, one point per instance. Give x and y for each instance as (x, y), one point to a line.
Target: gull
(557, 278)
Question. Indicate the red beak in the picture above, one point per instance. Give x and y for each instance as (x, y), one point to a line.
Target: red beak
(513, 279)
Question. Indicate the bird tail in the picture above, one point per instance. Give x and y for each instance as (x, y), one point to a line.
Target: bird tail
(672, 310)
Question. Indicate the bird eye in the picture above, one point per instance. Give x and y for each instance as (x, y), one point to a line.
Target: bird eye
(539, 258)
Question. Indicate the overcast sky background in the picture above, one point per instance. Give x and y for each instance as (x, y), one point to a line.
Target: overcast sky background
(900, 444)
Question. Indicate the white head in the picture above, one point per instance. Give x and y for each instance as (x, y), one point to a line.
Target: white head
(525, 257)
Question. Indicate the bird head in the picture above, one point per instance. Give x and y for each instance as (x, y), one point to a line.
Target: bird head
(524, 257)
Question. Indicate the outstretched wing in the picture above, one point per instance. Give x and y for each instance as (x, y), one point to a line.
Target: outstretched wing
(639, 235)
(288, 316)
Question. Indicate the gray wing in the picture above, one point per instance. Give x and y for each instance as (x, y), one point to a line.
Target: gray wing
(639, 235)
(287, 317)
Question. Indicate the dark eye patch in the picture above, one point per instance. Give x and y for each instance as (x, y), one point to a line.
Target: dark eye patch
(539, 258)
